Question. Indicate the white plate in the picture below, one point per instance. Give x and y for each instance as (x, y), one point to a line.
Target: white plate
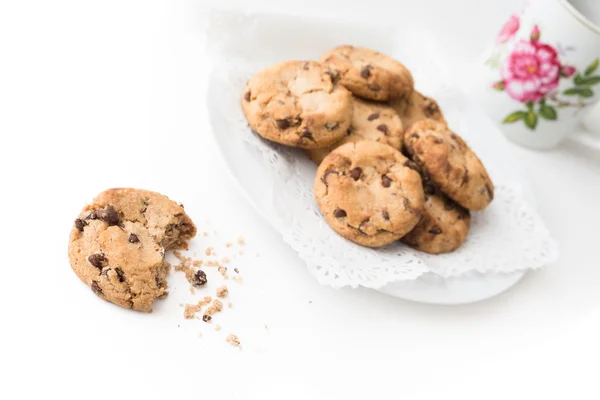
(491, 145)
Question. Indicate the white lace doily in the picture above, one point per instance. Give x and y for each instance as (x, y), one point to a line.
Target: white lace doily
(508, 236)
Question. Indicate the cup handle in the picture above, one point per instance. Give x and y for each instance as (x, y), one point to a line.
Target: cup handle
(587, 139)
(589, 136)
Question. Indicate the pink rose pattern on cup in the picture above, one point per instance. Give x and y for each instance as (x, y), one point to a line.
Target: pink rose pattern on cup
(508, 30)
(531, 74)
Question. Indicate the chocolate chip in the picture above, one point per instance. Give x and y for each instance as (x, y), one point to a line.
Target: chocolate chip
(412, 165)
(98, 260)
(437, 140)
(490, 192)
(120, 274)
(386, 181)
(449, 205)
(247, 96)
(349, 131)
(306, 134)
(80, 224)
(282, 123)
(206, 318)
(414, 136)
(374, 87)
(109, 215)
(406, 203)
(330, 126)
(373, 116)
(385, 215)
(453, 136)
(383, 128)
(327, 173)
(430, 107)
(366, 72)
(339, 213)
(465, 178)
(199, 278)
(96, 288)
(237, 271)
(356, 173)
(429, 187)
(435, 230)
(133, 238)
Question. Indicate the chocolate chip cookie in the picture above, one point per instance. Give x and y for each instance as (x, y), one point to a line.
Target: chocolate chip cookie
(295, 103)
(368, 193)
(118, 242)
(443, 227)
(417, 108)
(368, 74)
(446, 159)
(370, 121)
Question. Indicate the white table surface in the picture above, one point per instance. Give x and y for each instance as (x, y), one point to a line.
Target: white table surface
(104, 94)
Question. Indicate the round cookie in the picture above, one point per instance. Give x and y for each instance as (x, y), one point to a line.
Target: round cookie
(443, 227)
(368, 193)
(417, 108)
(370, 121)
(295, 103)
(368, 73)
(118, 242)
(447, 160)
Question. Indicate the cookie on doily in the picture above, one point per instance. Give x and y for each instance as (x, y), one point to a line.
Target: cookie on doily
(295, 103)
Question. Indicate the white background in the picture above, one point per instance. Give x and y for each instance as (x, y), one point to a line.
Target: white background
(104, 94)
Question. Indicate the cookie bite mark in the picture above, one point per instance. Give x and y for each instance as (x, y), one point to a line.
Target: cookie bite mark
(120, 252)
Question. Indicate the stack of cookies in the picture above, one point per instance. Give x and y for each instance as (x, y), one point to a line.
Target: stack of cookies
(389, 167)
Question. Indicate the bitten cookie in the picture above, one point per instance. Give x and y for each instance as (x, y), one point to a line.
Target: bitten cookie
(447, 160)
(118, 242)
(368, 194)
(417, 108)
(368, 74)
(443, 227)
(295, 103)
(370, 121)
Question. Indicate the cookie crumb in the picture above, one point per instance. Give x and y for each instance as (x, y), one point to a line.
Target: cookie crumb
(206, 318)
(192, 290)
(205, 234)
(225, 260)
(238, 279)
(210, 251)
(237, 271)
(212, 263)
(216, 307)
(241, 241)
(217, 327)
(222, 291)
(230, 304)
(228, 244)
(197, 263)
(190, 310)
(223, 272)
(233, 340)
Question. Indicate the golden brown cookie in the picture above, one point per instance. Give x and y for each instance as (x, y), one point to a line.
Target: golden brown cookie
(295, 103)
(443, 227)
(118, 243)
(370, 121)
(446, 159)
(368, 74)
(417, 108)
(368, 194)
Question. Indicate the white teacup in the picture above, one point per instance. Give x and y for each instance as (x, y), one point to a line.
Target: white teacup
(541, 80)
